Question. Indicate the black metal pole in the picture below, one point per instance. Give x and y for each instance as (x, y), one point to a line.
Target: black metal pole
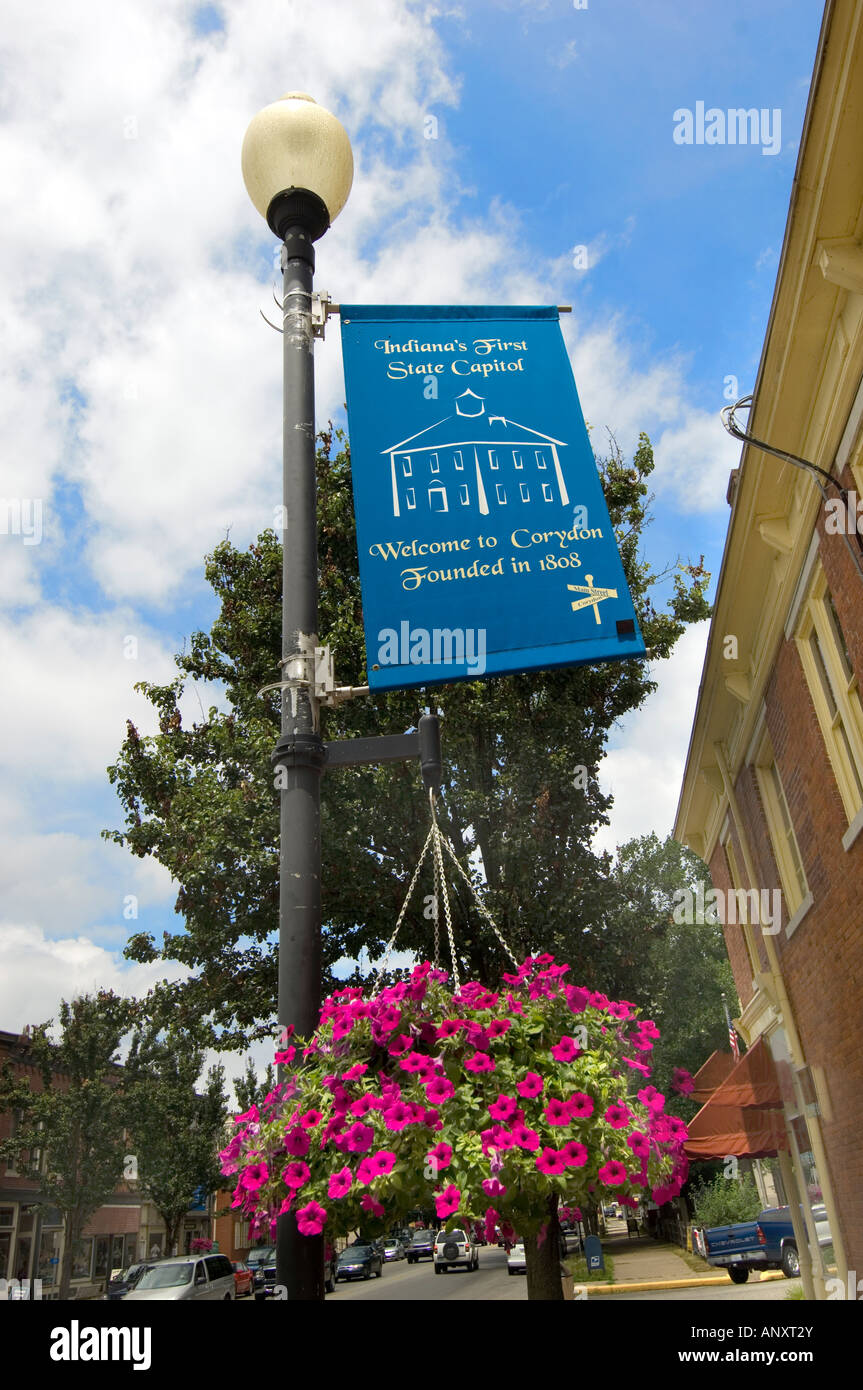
(300, 750)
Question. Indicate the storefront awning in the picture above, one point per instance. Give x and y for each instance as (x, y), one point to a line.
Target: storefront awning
(743, 1117)
(753, 1083)
(711, 1075)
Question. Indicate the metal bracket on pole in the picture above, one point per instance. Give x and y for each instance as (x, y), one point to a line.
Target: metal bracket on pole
(423, 743)
(322, 308)
(326, 690)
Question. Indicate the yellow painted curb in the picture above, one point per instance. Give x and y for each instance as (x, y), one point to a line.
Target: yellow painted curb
(696, 1283)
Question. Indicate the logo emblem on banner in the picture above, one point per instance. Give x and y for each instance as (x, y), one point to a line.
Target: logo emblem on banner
(479, 510)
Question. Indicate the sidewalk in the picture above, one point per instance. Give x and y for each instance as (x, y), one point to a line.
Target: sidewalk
(643, 1263)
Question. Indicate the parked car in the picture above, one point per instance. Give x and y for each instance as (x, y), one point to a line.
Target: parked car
(203, 1277)
(126, 1280)
(359, 1262)
(393, 1249)
(422, 1245)
(244, 1280)
(454, 1248)
(515, 1261)
(768, 1242)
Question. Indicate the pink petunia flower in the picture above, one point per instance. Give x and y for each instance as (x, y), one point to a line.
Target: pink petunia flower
(492, 1188)
(414, 1061)
(557, 1112)
(525, 1138)
(566, 1050)
(479, 1061)
(297, 1142)
(652, 1098)
(362, 1106)
(249, 1115)
(682, 1081)
(577, 998)
(503, 1108)
(311, 1119)
(498, 1027)
(550, 1161)
(384, 1162)
(439, 1089)
(531, 1085)
(639, 1143)
(450, 1028)
(397, 1116)
(612, 1174)
(340, 1184)
(574, 1154)
(354, 1072)
(447, 1202)
(283, 1058)
(366, 1173)
(254, 1177)
(369, 1204)
(310, 1219)
(441, 1155)
(399, 1045)
(580, 1106)
(359, 1138)
(637, 1066)
(296, 1175)
(618, 1116)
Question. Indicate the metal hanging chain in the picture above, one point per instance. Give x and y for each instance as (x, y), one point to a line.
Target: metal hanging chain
(440, 882)
(478, 900)
(391, 942)
(437, 840)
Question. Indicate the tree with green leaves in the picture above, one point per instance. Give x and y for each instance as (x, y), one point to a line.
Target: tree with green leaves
(176, 1124)
(70, 1127)
(201, 799)
(249, 1091)
(677, 972)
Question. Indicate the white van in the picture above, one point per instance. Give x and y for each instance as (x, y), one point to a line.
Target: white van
(183, 1277)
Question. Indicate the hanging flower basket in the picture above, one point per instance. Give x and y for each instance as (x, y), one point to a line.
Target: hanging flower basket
(480, 1105)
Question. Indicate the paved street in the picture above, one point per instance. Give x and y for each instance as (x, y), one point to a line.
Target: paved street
(403, 1282)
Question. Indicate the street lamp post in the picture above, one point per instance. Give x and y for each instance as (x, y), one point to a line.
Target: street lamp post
(298, 167)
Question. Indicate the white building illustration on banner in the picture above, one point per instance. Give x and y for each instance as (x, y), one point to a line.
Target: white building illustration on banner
(472, 459)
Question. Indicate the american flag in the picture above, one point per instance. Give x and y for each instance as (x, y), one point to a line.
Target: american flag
(732, 1036)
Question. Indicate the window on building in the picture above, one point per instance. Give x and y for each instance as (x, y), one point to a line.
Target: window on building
(517, 459)
(437, 498)
(737, 883)
(407, 470)
(501, 494)
(833, 687)
(525, 492)
(493, 459)
(780, 826)
(464, 495)
(434, 464)
(541, 461)
(82, 1258)
(458, 460)
(546, 493)
(410, 497)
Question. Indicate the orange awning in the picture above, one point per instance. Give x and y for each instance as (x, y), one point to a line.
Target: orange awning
(711, 1075)
(743, 1117)
(719, 1131)
(753, 1083)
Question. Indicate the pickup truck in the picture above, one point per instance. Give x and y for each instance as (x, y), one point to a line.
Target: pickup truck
(768, 1242)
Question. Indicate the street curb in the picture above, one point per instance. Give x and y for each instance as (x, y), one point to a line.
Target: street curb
(670, 1283)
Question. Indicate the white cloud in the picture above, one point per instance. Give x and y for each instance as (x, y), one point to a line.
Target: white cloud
(644, 768)
(36, 973)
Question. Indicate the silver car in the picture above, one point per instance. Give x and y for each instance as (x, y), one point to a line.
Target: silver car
(204, 1277)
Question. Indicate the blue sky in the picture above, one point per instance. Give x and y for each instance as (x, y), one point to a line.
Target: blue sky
(140, 392)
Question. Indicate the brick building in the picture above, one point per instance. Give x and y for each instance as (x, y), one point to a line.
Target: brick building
(772, 797)
(31, 1230)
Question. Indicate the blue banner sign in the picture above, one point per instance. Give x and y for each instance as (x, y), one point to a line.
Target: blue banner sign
(484, 540)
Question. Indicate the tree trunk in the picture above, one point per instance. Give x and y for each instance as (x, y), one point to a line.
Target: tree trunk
(543, 1259)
